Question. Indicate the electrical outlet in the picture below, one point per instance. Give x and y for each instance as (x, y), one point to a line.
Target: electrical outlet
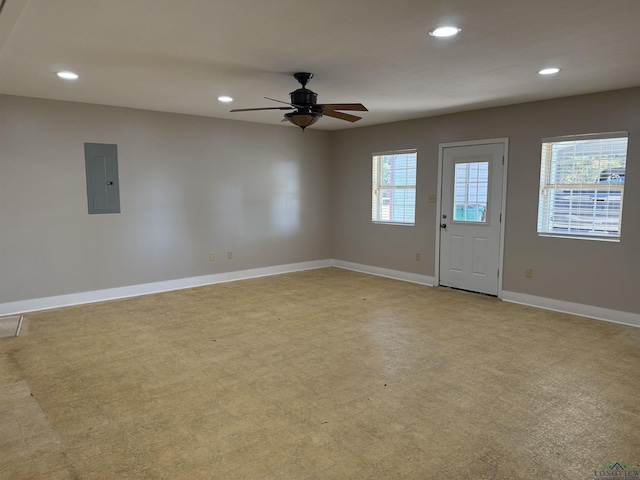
(229, 255)
(528, 272)
(212, 256)
(418, 257)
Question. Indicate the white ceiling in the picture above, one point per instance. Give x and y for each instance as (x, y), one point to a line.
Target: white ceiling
(180, 55)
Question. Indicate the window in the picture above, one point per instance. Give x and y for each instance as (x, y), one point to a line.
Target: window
(471, 189)
(393, 197)
(582, 186)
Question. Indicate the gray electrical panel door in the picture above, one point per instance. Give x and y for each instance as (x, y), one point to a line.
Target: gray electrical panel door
(103, 191)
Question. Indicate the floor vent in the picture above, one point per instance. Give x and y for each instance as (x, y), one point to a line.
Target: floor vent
(12, 326)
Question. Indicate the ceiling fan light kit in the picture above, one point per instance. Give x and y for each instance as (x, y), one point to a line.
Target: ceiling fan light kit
(303, 119)
(307, 110)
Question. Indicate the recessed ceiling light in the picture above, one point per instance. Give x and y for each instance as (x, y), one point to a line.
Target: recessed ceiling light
(549, 71)
(446, 31)
(225, 99)
(68, 75)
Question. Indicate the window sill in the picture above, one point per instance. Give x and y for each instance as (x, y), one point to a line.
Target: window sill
(580, 237)
(375, 222)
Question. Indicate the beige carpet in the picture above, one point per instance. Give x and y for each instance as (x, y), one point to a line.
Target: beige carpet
(325, 374)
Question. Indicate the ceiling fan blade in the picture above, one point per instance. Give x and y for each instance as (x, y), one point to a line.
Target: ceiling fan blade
(286, 103)
(279, 101)
(265, 108)
(344, 106)
(341, 116)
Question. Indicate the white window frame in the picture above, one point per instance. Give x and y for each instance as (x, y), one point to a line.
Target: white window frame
(377, 200)
(578, 192)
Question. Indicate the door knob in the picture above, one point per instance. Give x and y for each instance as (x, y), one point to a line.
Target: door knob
(443, 225)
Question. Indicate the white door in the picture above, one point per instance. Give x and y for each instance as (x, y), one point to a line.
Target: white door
(470, 216)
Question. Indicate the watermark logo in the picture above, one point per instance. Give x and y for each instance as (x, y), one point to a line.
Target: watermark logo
(617, 470)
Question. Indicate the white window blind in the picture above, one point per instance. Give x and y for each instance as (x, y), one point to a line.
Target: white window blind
(582, 186)
(393, 197)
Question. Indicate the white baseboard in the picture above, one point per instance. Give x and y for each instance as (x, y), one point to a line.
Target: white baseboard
(385, 272)
(48, 303)
(36, 304)
(589, 311)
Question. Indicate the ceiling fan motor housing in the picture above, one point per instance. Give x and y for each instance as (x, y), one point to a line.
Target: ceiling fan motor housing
(303, 97)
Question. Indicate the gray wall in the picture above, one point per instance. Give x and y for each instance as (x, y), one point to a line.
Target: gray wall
(595, 273)
(188, 186)
(192, 185)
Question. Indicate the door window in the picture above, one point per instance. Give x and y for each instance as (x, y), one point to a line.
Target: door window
(471, 190)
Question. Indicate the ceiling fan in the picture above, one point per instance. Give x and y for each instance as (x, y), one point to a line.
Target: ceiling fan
(307, 111)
